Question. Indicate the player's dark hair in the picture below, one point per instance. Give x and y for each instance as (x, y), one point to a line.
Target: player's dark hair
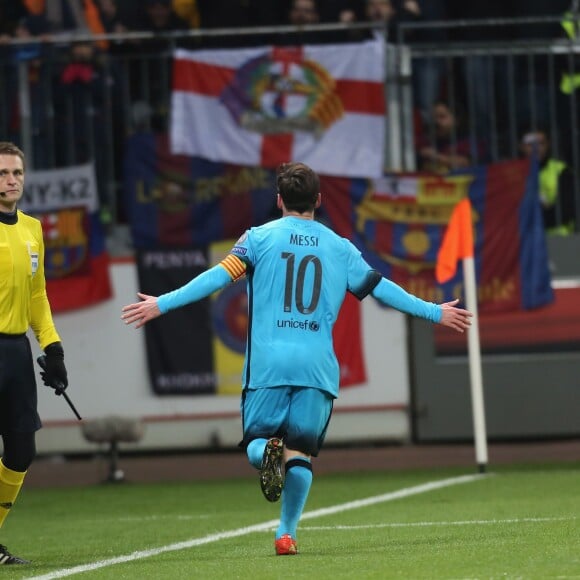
(7, 148)
(298, 186)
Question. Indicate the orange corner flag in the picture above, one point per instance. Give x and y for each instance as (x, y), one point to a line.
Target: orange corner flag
(457, 242)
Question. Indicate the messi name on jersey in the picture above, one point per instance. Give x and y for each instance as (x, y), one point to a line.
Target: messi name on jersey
(300, 240)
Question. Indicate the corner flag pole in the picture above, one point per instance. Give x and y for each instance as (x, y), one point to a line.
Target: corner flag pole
(458, 244)
(475, 372)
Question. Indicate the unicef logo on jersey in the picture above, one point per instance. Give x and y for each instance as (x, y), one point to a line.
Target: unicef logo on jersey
(310, 325)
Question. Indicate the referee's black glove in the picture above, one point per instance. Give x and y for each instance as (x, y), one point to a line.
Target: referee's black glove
(55, 374)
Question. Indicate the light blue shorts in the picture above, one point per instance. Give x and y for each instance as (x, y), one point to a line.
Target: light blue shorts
(298, 415)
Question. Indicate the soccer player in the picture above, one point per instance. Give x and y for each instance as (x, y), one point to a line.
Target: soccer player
(23, 304)
(298, 273)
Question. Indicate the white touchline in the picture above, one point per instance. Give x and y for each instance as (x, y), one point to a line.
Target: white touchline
(402, 493)
(405, 492)
(154, 518)
(441, 523)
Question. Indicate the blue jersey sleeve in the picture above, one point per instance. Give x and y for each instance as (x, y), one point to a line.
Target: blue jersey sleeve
(201, 286)
(364, 280)
(393, 295)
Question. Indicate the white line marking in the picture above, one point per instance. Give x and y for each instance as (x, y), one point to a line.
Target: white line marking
(402, 493)
(154, 518)
(428, 524)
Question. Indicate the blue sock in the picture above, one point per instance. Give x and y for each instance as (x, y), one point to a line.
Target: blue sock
(296, 488)
(255, 451)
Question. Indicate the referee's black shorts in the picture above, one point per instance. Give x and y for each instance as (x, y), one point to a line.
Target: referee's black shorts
(18, 398)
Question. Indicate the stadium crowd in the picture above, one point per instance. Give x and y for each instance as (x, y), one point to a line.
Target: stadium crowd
(452, 121)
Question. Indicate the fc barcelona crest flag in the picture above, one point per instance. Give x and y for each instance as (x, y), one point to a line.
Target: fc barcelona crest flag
(76, 262)
(398, 223)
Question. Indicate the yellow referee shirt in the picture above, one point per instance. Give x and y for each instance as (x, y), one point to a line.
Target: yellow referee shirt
(23, 300)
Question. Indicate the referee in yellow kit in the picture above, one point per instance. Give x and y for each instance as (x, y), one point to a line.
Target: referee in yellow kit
(23, 304)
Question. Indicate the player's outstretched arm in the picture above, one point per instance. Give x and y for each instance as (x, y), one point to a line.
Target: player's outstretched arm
(453, 317)
(200, 287)
(446, 314)
(142, 312)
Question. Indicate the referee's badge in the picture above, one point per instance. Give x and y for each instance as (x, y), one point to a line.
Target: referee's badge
(33, 259)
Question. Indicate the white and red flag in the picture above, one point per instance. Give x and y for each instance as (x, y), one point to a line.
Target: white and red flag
(321, 105)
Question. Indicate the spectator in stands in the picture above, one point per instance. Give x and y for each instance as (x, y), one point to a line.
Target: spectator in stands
(535, 73)
(150, 83)
(556, 183)
(159, 16)
(567, 75)
(428, 73)
(114, 22)
(446, 144)
(81, 110)
(110, 17)
(75, 93)
(388, 14)
(188, 11)
(339, 10)
(32, 27)
(485, 79)
(381, 12)
(57, 16)
(304, 13)
(241, 14)
(343, 12)
(11, 13)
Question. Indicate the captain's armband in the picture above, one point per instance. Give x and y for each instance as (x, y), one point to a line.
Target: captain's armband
(235, 267)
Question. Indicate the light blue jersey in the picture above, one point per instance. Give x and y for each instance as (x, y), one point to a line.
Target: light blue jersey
(298, 274)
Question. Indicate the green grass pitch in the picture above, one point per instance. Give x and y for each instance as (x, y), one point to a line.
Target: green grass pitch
(517, 522)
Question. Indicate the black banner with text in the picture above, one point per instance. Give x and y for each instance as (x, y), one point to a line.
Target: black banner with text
(179, 344)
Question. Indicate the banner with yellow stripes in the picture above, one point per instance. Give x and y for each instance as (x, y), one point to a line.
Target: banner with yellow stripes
(229, 315)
